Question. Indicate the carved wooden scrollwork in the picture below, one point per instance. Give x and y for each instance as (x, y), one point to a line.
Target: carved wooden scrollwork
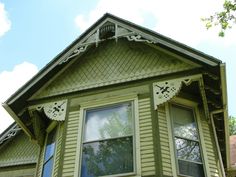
(109, 30)
(138, 38)
(55, 110)
(165, 90)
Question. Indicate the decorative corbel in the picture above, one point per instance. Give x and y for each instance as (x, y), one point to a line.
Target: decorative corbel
(163, 91)
(54, 110)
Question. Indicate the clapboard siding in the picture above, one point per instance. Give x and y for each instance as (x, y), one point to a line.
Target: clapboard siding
(40, 163)
(210, 152)
(146, 138)
(58, 151)
(164, 141)
(209, 147)
(70, 144)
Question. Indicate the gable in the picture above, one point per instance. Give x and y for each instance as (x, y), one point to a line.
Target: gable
(110, 63)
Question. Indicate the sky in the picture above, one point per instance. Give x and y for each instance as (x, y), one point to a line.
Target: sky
(33, 32)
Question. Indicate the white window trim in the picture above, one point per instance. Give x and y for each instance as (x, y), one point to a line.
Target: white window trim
(49, 129)
(104, 102)
(194, 106)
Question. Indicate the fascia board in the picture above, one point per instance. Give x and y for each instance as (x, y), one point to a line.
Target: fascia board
(225, 107)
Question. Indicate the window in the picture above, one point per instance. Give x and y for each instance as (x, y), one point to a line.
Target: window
(108, 136)
(49, 153)
(186, 140)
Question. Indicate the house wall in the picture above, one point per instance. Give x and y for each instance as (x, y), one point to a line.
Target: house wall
(156, 143)
(101, 76)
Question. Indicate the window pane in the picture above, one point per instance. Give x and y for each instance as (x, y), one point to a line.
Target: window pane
(50, 146)
(184, 124)
(108, 122)
(187, 150)
(191, 169)
(107, 157)
(47, 168)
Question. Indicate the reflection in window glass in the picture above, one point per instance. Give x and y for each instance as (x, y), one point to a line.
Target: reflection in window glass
(109, 122)
(187, 150)
(187, 146)
(47, 168)
(50, 146)
(108, 141)
(48, 156)
(191, 169)
(184, 124)
(107, 157)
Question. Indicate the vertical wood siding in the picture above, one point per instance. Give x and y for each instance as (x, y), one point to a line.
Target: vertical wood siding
(70, 144)
(146, 138)
(164, 138)
(58, 151)
(210, 148)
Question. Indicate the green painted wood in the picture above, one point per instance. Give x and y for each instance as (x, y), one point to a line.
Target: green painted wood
(70, 148)
(40, 163)
(164, 142)
(146, 138)
(19, 151)
(18, 171)
(112, 62)
(156, 136)
(58, 151)
(210, 152)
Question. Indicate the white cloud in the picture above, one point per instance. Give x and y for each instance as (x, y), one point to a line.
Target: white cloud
(180, 20)
(10, 81)
(5, 23)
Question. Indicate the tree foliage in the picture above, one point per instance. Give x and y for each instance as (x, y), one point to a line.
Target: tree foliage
(225, 18)
(232, 125)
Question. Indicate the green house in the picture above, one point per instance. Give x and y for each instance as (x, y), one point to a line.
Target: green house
(122, 100)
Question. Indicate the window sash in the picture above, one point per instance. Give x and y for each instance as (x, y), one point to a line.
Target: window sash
(112, 138)
(107, 107)
(186, 138)
(191, 152)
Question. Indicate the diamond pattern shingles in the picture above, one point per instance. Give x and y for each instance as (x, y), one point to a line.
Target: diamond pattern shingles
(113, 62)
(19, 151)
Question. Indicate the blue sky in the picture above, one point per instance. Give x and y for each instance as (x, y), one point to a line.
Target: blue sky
(33, 32)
